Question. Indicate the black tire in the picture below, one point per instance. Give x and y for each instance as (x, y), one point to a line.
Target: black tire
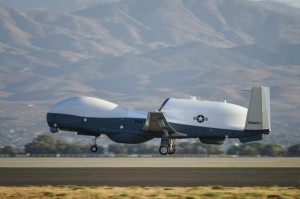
(94, 148)
(172, 151)
(53, 130)
(163, 150)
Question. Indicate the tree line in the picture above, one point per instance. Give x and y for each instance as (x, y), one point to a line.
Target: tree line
(46, 144)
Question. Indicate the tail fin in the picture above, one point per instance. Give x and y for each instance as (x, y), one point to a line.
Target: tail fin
(258, 116)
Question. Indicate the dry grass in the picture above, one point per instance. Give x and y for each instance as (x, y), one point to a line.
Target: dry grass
(66, 192)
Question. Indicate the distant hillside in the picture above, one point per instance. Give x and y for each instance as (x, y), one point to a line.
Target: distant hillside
(280, 7)
(216, 23)
(139, 52)
(54, 5)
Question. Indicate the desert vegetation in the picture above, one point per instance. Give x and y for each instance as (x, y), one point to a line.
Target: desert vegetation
(148, 192)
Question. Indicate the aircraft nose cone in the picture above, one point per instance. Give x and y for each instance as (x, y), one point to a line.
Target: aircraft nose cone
(50, 119)
(52, 123)
(55, 115)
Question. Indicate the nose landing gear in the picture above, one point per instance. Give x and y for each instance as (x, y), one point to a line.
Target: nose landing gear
(54, 129)
(94, 147)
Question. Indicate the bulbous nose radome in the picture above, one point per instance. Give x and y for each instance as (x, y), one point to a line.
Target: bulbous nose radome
(65, 107)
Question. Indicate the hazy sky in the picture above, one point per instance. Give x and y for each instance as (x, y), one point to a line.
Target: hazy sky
(290, 2)
(293, 2)
(72, 5)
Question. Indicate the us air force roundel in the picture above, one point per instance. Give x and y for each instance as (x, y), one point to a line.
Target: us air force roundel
(200, 118)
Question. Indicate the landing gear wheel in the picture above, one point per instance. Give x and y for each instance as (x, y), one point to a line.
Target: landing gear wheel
(163, 150)
(53, 129)
(94, 148)
(172, 151)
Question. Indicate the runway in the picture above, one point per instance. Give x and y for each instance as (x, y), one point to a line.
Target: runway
(150, 176)
(168, 162)
(168, 172)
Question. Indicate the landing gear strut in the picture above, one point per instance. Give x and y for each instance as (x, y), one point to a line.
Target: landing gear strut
(94, 147)
(172, 146)
(167, 146)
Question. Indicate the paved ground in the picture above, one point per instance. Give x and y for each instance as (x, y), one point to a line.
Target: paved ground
(164, 171)
(196, 162)
(150, 176)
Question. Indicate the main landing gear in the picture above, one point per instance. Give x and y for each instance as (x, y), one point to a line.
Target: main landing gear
(167, 146)
(94, 147)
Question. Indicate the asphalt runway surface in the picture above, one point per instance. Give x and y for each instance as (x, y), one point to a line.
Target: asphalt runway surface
(163, 161)
(150, 176)
(150, 171)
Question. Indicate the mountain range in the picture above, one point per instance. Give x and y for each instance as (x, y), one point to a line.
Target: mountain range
(138, 52)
